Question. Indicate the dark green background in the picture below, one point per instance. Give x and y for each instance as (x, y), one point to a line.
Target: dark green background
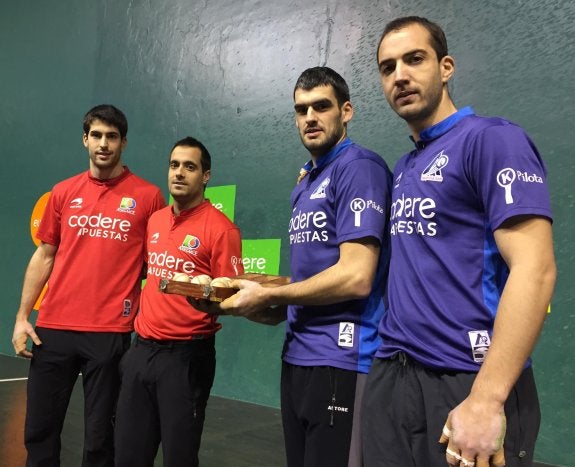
(223, 71)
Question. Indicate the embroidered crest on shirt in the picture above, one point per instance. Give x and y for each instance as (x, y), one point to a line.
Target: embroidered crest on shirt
(127, 205)
(432, 172)
(345, 338)
(319, 192)
(190, 244)
(480, 343)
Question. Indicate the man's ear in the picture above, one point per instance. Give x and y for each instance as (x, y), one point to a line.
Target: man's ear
(347, 111)
(207, 174)
(447, 65)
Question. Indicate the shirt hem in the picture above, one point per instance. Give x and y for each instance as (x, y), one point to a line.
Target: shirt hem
(87, 328)
(341, 365)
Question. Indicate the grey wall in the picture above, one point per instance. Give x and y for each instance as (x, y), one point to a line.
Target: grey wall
(223, 71)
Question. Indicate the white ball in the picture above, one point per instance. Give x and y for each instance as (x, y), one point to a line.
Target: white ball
(202, 279)
(221, 282)
(180, 277)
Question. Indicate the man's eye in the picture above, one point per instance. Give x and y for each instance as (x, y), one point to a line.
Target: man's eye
(386, 70)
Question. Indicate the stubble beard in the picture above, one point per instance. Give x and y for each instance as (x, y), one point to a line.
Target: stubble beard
(319, 147)
(423, 111)
(109, 164)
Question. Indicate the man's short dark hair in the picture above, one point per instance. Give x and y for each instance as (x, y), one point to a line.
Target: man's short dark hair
(437, 37)
(107, 114)
(323, 76)
(191, 142)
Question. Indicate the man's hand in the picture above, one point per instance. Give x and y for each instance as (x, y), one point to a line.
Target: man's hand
(474, 435)
(22, 331)
(206, 306)
(251, 298)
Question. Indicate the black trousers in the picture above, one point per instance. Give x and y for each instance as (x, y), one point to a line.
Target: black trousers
(163, 397)
(321, 416)
(406, 406)
(53, 372)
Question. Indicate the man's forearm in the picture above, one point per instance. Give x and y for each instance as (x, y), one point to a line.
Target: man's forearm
(36, 276)
(520, 317)
(350, 278)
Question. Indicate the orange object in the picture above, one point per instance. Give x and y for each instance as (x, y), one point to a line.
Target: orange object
(35, 220)
(36, 217)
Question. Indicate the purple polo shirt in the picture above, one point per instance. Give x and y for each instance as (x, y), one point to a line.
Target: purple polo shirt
(345, 198)
(467, 175)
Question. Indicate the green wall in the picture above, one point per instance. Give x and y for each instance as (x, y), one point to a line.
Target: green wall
(223, 71)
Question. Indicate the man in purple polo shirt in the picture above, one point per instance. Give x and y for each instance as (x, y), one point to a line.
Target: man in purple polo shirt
(339, 249)
(471, 274)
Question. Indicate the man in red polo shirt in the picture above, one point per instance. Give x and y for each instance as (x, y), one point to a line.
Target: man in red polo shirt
(92, 253)
(167, 373)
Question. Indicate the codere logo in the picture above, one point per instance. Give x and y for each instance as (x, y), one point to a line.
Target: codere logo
(101, 226)
(413, 216)
(190, 244)
(164, 265)
(308, 227)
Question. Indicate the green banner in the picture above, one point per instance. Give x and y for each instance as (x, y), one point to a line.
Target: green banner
(262, 255)
(222, 197)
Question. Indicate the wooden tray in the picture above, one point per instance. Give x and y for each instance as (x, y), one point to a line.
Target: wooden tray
(218, 294)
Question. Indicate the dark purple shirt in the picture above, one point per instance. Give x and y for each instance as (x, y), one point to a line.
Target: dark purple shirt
(467, 175)
(345, 198)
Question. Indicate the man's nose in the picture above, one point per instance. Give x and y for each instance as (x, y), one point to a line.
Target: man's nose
(310, 114)
(401, 73)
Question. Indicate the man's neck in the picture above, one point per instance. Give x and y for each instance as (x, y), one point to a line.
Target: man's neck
(106, 174)
(180, 206)
(444, 110)
(315, 156)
